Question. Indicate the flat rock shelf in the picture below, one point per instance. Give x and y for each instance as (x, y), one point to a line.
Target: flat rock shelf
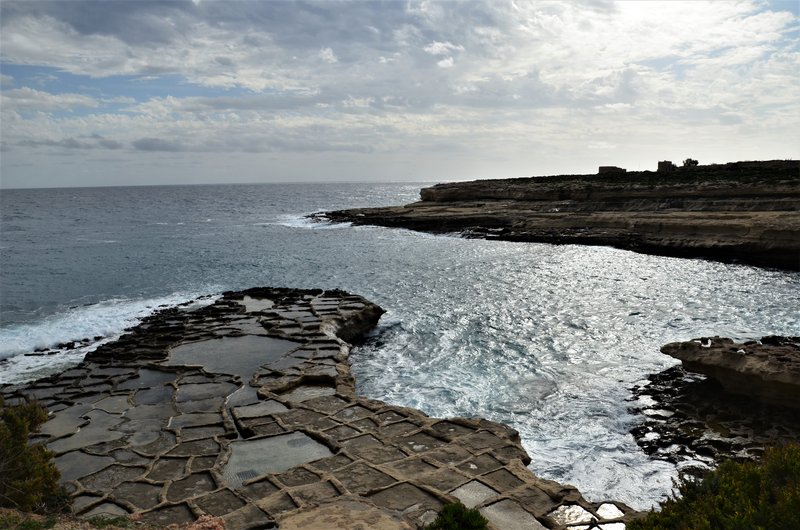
(745, 212)
(245, 410)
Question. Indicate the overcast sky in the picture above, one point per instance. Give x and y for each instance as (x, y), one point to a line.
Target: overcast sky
(146, 92)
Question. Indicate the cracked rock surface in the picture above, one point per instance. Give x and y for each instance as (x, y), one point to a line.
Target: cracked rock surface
(246, 410)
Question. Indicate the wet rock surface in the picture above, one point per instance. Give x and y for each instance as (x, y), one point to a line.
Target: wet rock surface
(746, 212)
(692, 421)
(267, 431)
(767, 370)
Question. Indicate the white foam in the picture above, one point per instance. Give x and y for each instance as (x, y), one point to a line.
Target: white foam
(301, 220)
(107, 319)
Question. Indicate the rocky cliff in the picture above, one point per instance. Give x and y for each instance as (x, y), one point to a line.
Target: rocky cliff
(747, 212)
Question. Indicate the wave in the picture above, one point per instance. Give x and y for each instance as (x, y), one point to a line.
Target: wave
(67, 336)
(302, 220)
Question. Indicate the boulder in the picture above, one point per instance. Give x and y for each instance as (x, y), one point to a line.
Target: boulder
(767, 370)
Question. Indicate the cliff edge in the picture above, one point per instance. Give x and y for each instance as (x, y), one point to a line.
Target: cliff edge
(746, 212)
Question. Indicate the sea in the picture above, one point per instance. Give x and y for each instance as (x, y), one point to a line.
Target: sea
(548, 339)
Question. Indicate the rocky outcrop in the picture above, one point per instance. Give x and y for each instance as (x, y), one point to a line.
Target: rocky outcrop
(246, 410)
(768, 370)
(745, 211)
(689, 420)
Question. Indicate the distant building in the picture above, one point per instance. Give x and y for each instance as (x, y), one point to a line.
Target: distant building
(610, 169)
(666, 166)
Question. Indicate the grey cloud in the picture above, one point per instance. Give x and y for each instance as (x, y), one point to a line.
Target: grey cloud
(133, 22)
(157, 144)
(297, 144)
(625, 90)
(65, 143)
(255, 102)
(348, 27)
(311, 25)
(94, 141)
(110, 144)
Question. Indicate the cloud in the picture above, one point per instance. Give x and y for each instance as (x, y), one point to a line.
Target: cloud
(158, 144)
(442, 48)
(327, 55)
(533, 82)
(6, 80)
(27, 98)
(93, 142)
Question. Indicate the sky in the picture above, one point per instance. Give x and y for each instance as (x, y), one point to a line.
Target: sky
(181, 92)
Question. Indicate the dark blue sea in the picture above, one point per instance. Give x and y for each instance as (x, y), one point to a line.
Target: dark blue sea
(546, 338)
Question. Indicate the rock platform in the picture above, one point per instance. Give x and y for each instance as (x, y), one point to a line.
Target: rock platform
(767, 370)
(246, 410)
(745, 212)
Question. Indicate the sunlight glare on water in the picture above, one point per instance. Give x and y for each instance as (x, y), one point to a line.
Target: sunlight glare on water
(547, 339)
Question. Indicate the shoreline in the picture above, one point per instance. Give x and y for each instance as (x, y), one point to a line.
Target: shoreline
(138, 430)
(726, 401)
(743, 212)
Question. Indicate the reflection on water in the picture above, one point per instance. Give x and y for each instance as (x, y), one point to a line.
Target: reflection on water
(253, 458)
(241, 356)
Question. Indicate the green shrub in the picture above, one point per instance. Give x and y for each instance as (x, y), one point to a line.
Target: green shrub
(458, 517)
(28, 476)
(17, 521)
(736, 496)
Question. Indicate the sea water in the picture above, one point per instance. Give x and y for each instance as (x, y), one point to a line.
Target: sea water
(547, 339)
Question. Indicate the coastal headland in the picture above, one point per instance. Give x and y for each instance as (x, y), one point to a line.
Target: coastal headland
(245, 410)
(745, 212)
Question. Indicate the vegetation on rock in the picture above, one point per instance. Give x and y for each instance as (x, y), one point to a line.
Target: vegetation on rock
(736, 496)
(458, 517)
(28, 475)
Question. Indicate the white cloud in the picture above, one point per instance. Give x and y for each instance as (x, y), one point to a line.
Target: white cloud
(27, 99)
(327, 55)
(442, 48)
(699, 73)
(6, 80)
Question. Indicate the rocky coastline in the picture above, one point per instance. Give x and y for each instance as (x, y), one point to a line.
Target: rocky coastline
(245, 410)
(744, 212)
(767, 370)
(727, 401)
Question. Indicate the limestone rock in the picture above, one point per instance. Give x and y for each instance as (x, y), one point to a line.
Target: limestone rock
(768, 370)
(344, 515)
(244, 412)
(744, 211)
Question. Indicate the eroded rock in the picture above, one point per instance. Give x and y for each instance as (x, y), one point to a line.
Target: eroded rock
(768, 370)
(742, 211)
(246, 410)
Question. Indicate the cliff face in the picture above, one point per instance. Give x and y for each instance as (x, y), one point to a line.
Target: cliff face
(744, 211)
(750, 185)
